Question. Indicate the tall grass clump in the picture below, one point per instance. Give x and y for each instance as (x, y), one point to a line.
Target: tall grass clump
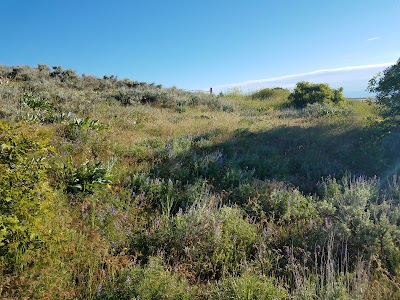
(248, 286)
(204, 243)
(152, 281)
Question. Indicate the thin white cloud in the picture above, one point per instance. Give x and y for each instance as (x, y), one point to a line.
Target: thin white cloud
(293, 76)
(374, 38)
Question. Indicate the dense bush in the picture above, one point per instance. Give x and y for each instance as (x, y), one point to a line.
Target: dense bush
(77, 127)
(250, 287)
(86, 177)
(308, 93)
(268, 93)
(206, 242)
(25, 195)
(363, 217)
(36, 109)
(152, 281)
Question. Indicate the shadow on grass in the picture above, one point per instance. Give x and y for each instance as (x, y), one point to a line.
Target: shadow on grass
(300, 156)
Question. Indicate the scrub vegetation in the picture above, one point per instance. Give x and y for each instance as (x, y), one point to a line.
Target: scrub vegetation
(117, 189)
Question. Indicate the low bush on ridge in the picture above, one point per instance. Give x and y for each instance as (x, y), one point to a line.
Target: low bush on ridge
(309, 93)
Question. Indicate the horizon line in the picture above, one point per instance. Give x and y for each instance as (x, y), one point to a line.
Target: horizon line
(322, 71)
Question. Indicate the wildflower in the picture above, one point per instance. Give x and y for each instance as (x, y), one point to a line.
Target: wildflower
(235, 238)
(179, 213)
(157, 224)
(168, 147)
(99, 289)
(268, 232)
(101, 218)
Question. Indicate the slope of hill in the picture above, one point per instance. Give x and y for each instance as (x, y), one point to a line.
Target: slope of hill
(115, 189)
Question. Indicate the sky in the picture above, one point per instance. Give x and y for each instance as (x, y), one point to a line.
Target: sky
(196, 45)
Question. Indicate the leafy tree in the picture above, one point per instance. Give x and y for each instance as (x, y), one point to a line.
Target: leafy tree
(386, 86)
(308, 93)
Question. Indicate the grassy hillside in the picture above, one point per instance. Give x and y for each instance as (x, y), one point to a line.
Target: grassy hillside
(116, 189)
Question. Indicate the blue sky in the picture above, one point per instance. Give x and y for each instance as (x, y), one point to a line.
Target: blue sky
(199, 44)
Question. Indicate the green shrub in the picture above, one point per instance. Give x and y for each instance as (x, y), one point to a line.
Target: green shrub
(84, 178)
(24, 194)
(268, 93)
(157, 192)
(148, 94)
(78, 127)
(205, 241)
(308, 93)
(34, 102)
(221, 104)
(317, 110)
(37, 109)
(338, 97)
(248, 287)
(150, 282)
(363, 217)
